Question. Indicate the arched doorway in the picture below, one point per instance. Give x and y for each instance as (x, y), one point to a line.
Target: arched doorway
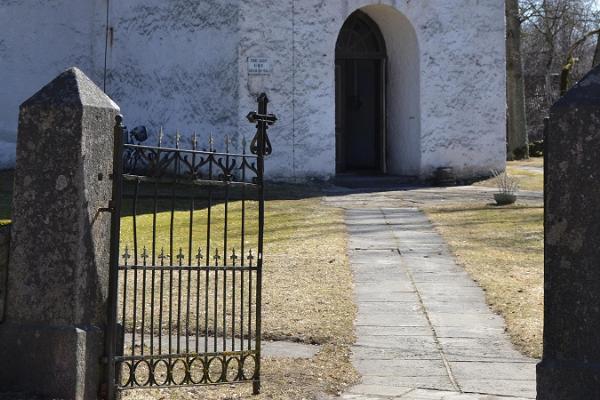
(360, 64)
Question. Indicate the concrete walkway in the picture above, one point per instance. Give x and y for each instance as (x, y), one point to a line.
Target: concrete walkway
(424, 330)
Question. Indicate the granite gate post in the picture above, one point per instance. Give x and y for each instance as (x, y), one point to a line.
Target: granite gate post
(570, 366)
(52, 338)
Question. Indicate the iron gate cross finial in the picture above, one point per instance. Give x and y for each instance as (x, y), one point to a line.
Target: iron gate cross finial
(263, 120)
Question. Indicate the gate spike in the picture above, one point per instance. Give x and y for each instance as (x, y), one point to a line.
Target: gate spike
(250, 256)
(199, 256)
(180, 256)
(194, 141)
(227, 141)
(145, 255)
(233, 257)
(217, 257)
(162, 256)
(244, 147)
(177, 138)
(126, 256)
(211, 142)
(160, 136)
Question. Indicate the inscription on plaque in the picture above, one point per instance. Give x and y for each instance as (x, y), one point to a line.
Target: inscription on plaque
(259, 66)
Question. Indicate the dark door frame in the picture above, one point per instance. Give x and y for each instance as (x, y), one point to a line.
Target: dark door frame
(360, 39)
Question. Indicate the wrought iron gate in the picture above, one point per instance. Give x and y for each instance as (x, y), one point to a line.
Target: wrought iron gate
(186, 261)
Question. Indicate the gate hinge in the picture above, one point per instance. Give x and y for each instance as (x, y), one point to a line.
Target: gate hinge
(110, 208)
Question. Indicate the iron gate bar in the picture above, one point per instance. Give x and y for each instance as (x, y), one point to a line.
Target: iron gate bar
(192, 151)
(242, 235)
(261, 146)
(216, 173)
(111, 345)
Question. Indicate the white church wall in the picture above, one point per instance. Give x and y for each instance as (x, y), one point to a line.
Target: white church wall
(184, 65)
(463, 102)
(296, 38)
(173, 64)
(266, 31)
(446, 102)
(37, 43)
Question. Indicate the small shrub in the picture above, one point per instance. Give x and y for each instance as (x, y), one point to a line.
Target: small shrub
(505, 183)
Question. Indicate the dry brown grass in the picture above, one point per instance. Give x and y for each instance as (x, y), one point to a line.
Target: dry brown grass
(528, 179)
(308, 283)
(502, 249)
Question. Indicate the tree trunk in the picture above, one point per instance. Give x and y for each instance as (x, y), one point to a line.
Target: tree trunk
(516, 123)
(597, 52)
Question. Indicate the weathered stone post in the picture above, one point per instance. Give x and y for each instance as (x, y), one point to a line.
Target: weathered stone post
(51, 342)
(570, 368)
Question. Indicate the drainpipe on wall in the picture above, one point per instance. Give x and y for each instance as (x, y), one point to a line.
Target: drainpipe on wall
(107, 39)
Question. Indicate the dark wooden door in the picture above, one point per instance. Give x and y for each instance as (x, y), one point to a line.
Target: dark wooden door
(360, 95)
(361, 114)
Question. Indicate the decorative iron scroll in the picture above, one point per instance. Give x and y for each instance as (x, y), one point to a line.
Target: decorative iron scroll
(192, 370)
(192, 164)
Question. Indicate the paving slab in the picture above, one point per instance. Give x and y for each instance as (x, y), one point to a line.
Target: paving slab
(397, 342)
(391, 319)
(376, 391)
(393, 307)
(485, 349)
(389, 353)
(378, 330)
(421, 394)
(377, 295)
(423, 328)
(386, 286)
(426, 382)
(404, 368)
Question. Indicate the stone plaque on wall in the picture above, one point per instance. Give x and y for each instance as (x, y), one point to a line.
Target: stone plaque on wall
(259, 66)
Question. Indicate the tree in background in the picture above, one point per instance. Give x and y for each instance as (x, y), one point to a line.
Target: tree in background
(516, 121)
(551, 41)
(596, 60)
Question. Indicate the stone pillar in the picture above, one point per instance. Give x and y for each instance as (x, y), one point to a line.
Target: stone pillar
(570, 367)
(51, 342)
